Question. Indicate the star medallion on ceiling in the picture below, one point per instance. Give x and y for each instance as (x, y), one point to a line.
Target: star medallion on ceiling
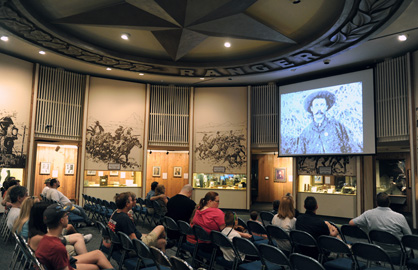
(181, 25)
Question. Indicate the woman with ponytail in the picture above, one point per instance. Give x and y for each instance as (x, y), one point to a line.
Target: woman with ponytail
(208, 215)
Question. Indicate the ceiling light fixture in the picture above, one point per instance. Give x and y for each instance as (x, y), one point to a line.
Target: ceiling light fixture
(4, 38)
(141, 74)
(227, 44)
(125, 36)
(296, 1)
(202, 78)
(42, 52)
(108, 69)
(402, 37)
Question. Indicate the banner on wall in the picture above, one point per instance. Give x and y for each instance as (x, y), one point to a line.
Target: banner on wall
(15, 103)
(115, 128)
(220, 130)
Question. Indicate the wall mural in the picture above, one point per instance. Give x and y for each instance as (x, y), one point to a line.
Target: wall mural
(115, 135)
(15, 91)
(340, 165)
(220, 132)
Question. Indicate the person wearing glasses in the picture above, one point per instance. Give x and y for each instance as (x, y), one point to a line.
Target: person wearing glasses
(208, 215)
(52, 253)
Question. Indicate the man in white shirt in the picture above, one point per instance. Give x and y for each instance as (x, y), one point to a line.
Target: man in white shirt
(47, 181)
(17, 195)
(55, 195)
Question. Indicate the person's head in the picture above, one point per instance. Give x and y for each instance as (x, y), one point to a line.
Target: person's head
(18, 194)
(211, 199)
(286, 208)
(382, 199)
(47, 182)
(154, 185)
(36, 223)
(13, 182)
(254, 215)
(54, 183)
(311, 204)
(124, 199)
(56, 215)
(25, 209)
(160, 189)
(318, 103)
(187, 190)
(276, 204)
(231, 219)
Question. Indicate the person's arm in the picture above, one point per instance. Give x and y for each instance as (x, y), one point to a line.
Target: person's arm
(244, 235)
(332, 230)
(132, 236)
(162, 196)
(351, 222)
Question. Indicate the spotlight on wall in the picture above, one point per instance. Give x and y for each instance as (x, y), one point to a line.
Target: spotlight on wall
(150, 152)
(167, 153)
(296, 1)
(57, 148)
(402, 37)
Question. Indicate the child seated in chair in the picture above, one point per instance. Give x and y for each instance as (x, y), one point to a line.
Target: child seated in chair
(231, 223)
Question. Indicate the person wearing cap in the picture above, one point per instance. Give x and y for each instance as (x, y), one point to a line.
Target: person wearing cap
(44, 191)
(323, 134)
(17, 195)
(55, 195)
(52, 253)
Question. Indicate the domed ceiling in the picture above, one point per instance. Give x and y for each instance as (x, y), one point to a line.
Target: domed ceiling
(186, 38)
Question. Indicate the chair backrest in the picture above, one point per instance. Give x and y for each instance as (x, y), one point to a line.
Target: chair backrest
(255, 227)
(113, 205)
(102, 229)
(332, 244)
(266, 217)
(185, 228)
(302, 262)
(371, 253)
(114, 237)
(148, 203)
(160, 257)
(170, 224)
(301, 238)
(384, 238)
(179, 264)
(273, 255)
(354, 234)
(142, 250)
(221, 240)
(410, 241)
(275, 232)
(242, 223)
(126, 241)
(201, 234)
(245, 246)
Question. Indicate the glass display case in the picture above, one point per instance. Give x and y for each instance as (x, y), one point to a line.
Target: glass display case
(330, 184)
(112, 178)
(220, 181)
(391, 176)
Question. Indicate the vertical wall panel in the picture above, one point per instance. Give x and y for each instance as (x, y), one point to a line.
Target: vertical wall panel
(169, 116)
(59, 104)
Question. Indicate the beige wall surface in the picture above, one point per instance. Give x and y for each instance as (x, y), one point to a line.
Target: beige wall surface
(115, 125)
(220, 129)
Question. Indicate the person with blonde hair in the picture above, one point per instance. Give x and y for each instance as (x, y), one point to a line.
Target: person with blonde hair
(285, 219)
(21, 225)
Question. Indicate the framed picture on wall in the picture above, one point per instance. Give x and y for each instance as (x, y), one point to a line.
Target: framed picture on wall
(91, 173)
(113, 173)
(45, 168)
(156, 171)
(318, 179)
(280, 175)
(69, 168)
(177, 172)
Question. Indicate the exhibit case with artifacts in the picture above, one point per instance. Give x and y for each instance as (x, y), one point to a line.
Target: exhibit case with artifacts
(231, 188)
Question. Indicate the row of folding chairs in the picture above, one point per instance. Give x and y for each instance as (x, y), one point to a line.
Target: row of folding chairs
(134, 254)
(23, 256)
(98, 209)
(5, 232)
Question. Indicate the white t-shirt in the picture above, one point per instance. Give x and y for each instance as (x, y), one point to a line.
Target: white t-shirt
(229, 254)
(53, 194)
(12, 216)
(286, 224)
(44, 191)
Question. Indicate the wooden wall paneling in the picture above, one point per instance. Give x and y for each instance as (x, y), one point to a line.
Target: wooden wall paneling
(167, 163)
(268, 190)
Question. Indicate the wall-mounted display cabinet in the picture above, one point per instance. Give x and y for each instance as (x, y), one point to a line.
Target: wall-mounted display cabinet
(328, 184)
(220, 181)
(112, 179)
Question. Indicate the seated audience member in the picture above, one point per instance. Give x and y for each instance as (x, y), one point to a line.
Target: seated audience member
(161, 199)
(314, 225)
(21, 225)
(231, 221)
(17, 195)
(52, 253)
(55, 195)
(276, 204)
(208, 215)
(47, 185)
(254, 216)
(11, 182)
(151, 193)
(296, 210)
(74, 243)
(382, 218)
(286, 220)
(121, 221)
(180, 207)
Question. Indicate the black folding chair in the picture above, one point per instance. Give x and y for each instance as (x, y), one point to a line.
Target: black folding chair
(278, 237)
(304, 243)
(160, 258)
(302, 262)
(390, 244)
(200, 256)
(127, 251)
(411, 242)
(372, 254)
(266, 217)
(104, 231)
(144, 253)
(248, 248)
(257, 231)
(183, 245)
(273, 255)
(354, 234)
(222, 241)
(179, 264)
